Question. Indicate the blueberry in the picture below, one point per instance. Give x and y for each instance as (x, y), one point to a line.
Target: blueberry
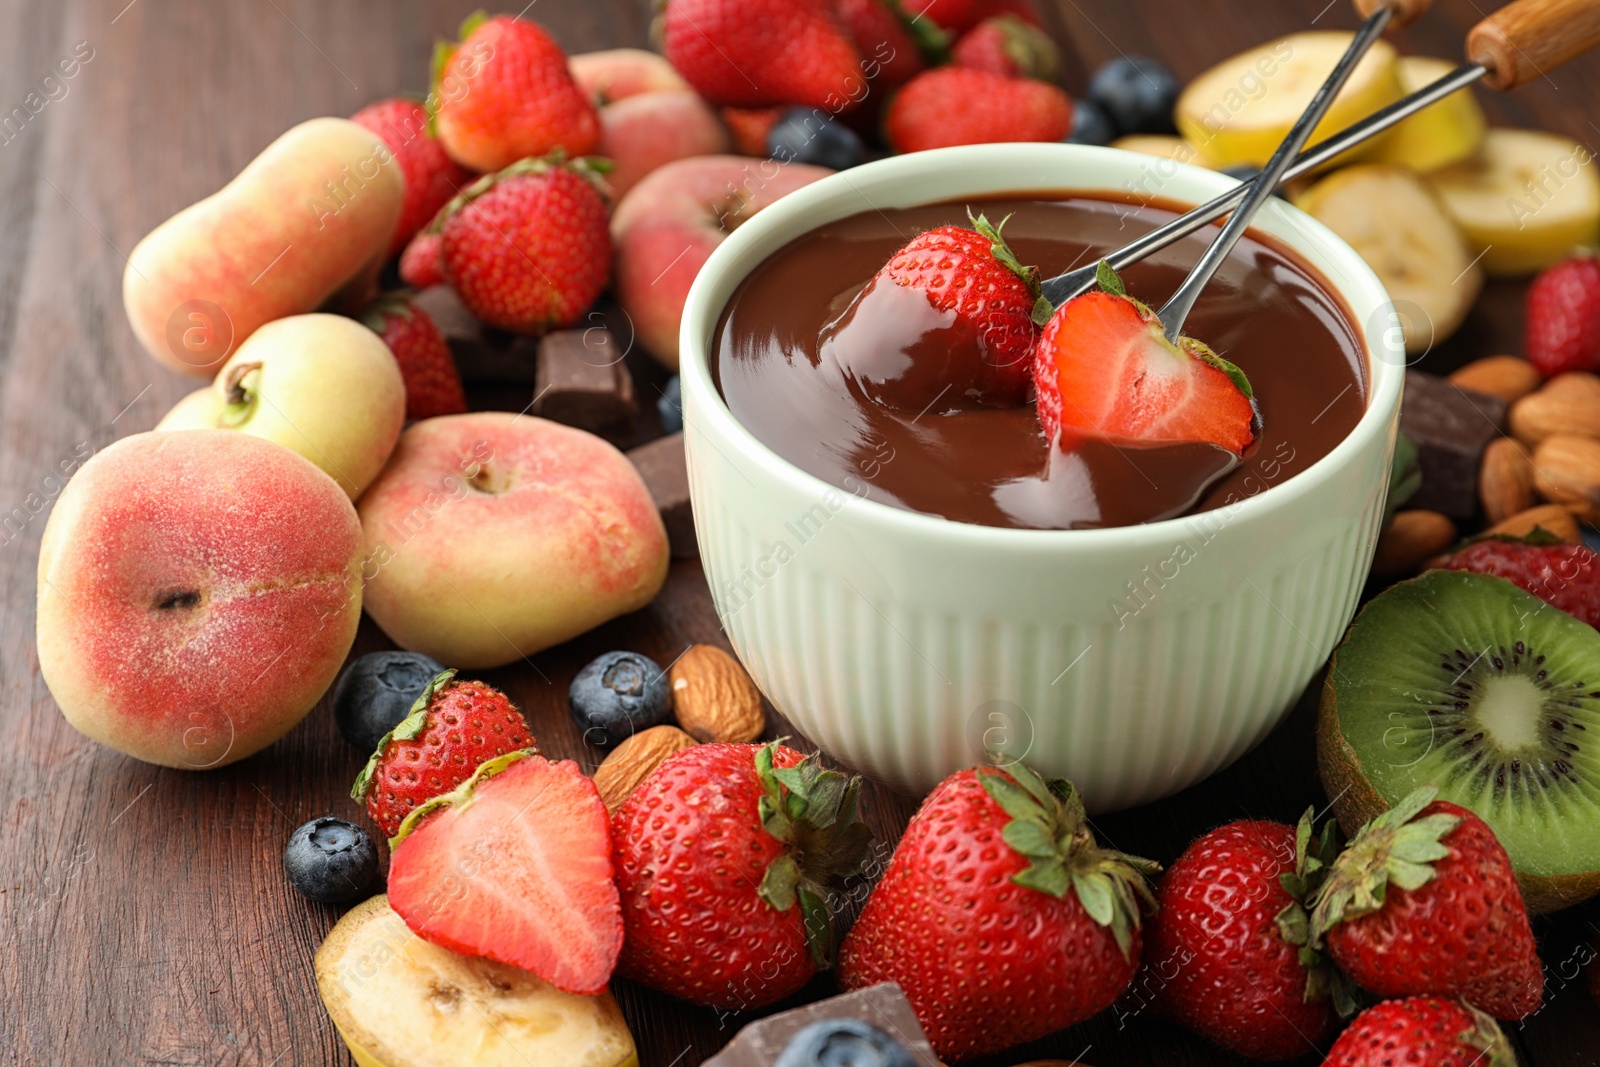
(1246, 173)
(843, 1043)
(670, 405)
(1137, 92)
(618, 695)
(375, 693)
(1090, 124)
(807, 135)
(330, 860)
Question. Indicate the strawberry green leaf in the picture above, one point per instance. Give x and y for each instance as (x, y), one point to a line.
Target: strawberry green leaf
(470, 24)
(1109, 280)
(1203, 352)
(1398, 847)
(779, 882)
(1095, 894)
(406, 729)
(1007, 258)
(812, 810)
(1029, 837)
(1048, 826)
(819, 925)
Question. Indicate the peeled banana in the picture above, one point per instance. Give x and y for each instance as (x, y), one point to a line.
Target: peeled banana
(1436, 136)
(1395, 222)
(1524, 199)
(1237, 112)
(399, 1001)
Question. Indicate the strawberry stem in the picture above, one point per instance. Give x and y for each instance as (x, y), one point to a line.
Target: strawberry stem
(811, 810)
(1397, 848)
(1050, 828)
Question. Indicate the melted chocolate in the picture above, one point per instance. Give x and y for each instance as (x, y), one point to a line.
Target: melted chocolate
(847, 417)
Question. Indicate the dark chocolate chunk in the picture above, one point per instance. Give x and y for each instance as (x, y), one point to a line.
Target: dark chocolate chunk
(582, 380)
(661, 464)
(483, 354)
(1450, 427)
(883, 1006)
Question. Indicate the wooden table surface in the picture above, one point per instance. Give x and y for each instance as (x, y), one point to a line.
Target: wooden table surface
(144, 915)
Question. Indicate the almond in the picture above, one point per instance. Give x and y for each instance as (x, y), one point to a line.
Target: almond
(1505, 481)
(1568, 404)
(713, 698)
(634, 760)
(1552, 518)
(1566, 470)
(1410, 538)
(1507, 377)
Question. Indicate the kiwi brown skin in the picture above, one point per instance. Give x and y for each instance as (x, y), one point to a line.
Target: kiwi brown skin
(1356, 803)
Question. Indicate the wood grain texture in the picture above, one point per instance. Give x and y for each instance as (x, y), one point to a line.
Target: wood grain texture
(144, 916)
(1531, 38)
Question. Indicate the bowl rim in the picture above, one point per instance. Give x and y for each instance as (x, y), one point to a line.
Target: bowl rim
(704, 406)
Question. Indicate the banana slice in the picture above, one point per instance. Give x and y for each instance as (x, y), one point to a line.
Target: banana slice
(399, 1001)
(1525, 199)
(1161, 145)
(1437, 136)
(1394, 222)
(1238, 111)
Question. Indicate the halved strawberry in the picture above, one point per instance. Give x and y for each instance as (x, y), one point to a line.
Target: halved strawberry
(515, 865)
(1103, 368)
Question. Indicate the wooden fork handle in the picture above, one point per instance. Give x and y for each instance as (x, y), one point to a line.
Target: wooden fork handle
(1530, 38)
(1405, 11)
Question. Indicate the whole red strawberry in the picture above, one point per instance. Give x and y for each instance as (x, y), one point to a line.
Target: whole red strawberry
(889, 44)
(1421, 1031)
(1005, 44)
(432, 177)
(1563, 316)
(422, 263)
(1105, 370)
(504, 93)
(453, 727)
(1224, 952)
(528, 249)
(956, 105)
(999, 915)
(728, 860)
(1563, 575)
(760, 53)
(959, 16)
(1424, 901)
(433, 385)
(968, 342)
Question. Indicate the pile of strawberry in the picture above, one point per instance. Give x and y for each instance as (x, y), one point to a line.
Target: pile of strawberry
(722, 878)
(506, 162)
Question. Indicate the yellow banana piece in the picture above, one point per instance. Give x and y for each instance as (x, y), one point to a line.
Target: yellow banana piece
(1525, 199)
(399, 1001)
(1239, 111)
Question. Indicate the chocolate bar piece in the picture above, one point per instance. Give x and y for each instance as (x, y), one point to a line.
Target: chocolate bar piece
(883, 1006)
(661, 464)
(483, 354)
(1450, 427)
(582, 380)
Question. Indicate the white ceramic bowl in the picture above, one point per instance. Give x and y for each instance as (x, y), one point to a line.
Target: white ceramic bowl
(910, 646)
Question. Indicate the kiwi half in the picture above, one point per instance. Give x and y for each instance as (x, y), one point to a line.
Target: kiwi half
(1468, 683)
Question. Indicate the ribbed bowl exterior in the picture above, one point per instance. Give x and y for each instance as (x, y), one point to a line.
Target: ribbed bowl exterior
(1134, 661)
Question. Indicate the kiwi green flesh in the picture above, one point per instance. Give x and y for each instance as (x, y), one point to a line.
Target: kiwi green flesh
(1470, 684)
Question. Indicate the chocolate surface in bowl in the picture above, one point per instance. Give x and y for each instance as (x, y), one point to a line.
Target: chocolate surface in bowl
(1266, 310)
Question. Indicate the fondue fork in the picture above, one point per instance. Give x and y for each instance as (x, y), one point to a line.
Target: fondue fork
(1176, 310)
(1510, 48)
